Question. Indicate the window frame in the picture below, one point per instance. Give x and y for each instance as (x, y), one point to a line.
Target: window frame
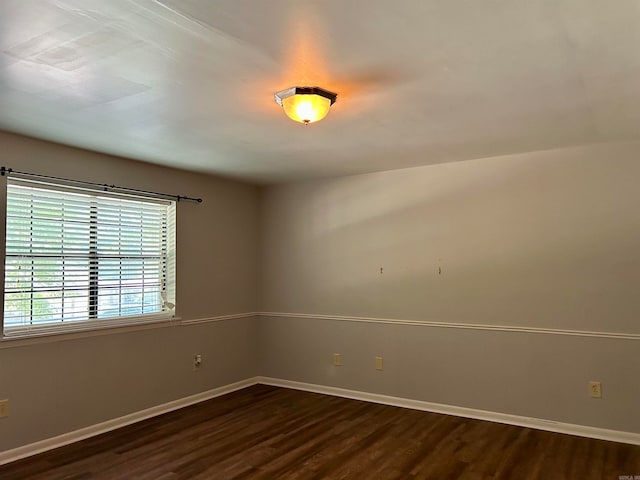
(91, 322)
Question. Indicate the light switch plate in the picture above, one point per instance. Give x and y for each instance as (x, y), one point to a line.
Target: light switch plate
(378, 363)
(4, 408)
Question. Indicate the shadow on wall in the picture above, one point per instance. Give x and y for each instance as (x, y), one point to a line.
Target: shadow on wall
(540, 240)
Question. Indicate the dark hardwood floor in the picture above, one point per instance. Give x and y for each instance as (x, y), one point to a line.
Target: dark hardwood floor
(266, 432)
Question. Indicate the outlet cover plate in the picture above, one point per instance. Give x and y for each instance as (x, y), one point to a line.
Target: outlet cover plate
(595, 389)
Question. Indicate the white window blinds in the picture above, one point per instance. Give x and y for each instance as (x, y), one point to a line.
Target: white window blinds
(78, 259)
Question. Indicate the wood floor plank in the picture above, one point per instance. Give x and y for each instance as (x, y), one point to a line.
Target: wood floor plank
(268, 433)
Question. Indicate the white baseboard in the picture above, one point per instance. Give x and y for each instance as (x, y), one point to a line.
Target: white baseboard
(537, 423)
(93, 430)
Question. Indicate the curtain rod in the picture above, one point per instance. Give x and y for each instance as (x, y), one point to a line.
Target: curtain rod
(8, 171)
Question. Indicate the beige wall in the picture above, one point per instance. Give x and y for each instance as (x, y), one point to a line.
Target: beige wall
(61, 386)
(545, 240)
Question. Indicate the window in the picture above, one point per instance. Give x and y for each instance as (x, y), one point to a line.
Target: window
(82, 259)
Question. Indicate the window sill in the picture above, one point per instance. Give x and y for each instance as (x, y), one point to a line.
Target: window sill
(84, 331)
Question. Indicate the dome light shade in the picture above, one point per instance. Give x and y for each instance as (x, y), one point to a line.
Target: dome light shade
(306, 104)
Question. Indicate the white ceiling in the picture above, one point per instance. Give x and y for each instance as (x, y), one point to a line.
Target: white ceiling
(190, 83)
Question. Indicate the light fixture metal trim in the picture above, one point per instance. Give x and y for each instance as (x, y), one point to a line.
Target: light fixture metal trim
(285, 100)
(281, 95)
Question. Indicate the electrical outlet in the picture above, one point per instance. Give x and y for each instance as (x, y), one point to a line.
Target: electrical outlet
(197, 361)
(337, 359)
(595, 389)
(378, 363)
(4, 408)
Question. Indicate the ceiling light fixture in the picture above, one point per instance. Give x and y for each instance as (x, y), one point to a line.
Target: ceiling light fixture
(306, 104)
